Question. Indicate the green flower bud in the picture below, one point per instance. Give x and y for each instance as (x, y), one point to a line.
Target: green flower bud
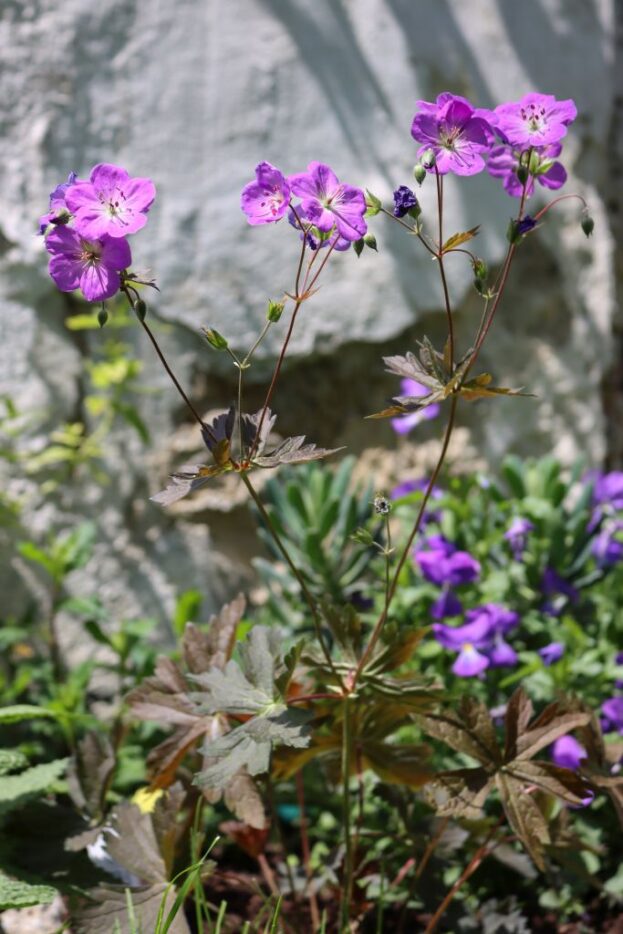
(588, 224)
(214, 339)
(534, 162)
(373, 204)
(275, 310)
(428, 159)
(358, 246)
(523, 174)
(140, 307)
(480, 268)
(362, 536)
(479, 285)
(102, 317)
(370, 240)
(419, 173)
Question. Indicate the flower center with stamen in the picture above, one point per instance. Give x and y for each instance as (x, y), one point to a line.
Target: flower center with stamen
(534, 116)
(274, 199)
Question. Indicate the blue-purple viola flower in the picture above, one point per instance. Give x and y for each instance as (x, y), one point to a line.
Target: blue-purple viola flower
(551, 653)
(612, 715)
(517, 536)
(441, 563)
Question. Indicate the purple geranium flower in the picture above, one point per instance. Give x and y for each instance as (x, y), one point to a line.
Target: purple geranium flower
(57, 204)
(441, 563)
(466, 640)
(91, 265)
(110, 203)
(551, 653)
(456, 132)
(404, 201)
(403, 424)
(503, 163)
(535, 120)
(612, 715)
(517, 534)
(327, 203)
(265, 200)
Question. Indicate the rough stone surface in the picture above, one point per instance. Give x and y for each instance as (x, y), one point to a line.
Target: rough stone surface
(194, 94)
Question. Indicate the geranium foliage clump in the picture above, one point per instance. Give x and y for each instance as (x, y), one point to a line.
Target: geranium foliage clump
(343, 686)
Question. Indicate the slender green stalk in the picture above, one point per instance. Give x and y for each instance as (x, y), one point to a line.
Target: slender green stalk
(306, 850)
(347, 881)
(304, 588)
(376, 632)
(442, 272)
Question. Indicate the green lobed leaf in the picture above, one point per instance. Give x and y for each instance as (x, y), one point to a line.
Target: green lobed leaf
(17, 894)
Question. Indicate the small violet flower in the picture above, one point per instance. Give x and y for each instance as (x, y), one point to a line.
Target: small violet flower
(457, 133)
(441, 563)
(618, 660)
(551, 653)
(327, 203)
(607, 546)
(266, 200)
(568, 753)
(404, 201)
(57, 204)
(110, 203)
(466, 640)
(403, 424)
(612, 715)
(517, 534)
(91, 265)
(500, 621)
(503, 163)
(555, 586)
(535, 120)
(608, 489)
(447, 604)
(525, 225)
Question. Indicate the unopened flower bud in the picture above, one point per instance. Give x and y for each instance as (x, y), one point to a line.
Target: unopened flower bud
(588, 224)
(523, 174)
(362, 536)
(419, 173)
(373, 204)
(275, 310)
(358, 246)
(479, 285)
(518, 228)
(480, 268)
(370, 240)
(534, 162)
(215, 339)
(140, 307)
(102, 317)
(428, 158)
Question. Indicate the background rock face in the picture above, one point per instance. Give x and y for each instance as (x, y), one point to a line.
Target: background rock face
(194, 94)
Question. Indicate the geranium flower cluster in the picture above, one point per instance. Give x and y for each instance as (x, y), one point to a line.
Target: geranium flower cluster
(518, 142)
(330, 213)
(87, 225)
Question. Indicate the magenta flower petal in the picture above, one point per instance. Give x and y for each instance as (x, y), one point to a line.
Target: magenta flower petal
(554, 178)
(266, 200)
(99, 282)
(535, 120)
(328, 203)
(64, 272)
(110, 203)
(476, 633)
(92, 265)
(502, 655)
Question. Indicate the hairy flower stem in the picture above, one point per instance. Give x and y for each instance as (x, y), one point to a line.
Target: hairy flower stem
(282, 548)
(376, 632)
(163, 361)
(481, 854)
(442, 272)
(347, 880)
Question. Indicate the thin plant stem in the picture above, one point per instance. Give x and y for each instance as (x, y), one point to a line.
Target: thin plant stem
(556, 201)
(376, 632)
(412, 230)
(308, 597)
(163, 361)
(263, 334)
(347, 881)
(306, 850)
(442, 272)
(481, 854)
